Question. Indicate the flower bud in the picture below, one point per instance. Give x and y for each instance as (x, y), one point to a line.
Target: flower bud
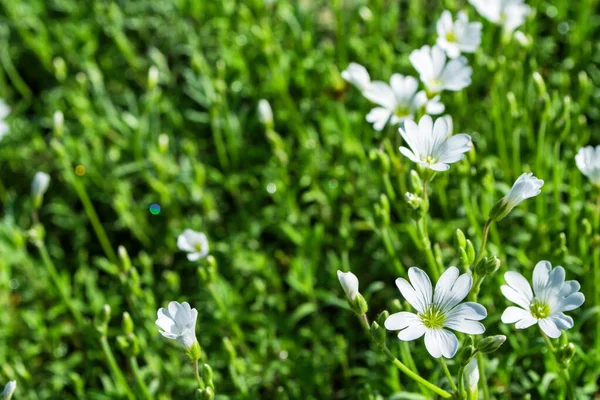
(471, 375)
(378, 334)
(382, 317)
(360, 305)
(491, 343)
(470, 252)
(163, 142)
(153, 76)
(9, 390)
(207, 375)
(125, 260)
(265, 113)
(102, 318)
(39, 186)
(461, 240)
(465, 354)
(129, 345)
(349, 283)
(205, 394)
(59, 123)
(564, 355)
(487, 266)
(413, 200)
(525, 187)
(416, 182)
(127, 323)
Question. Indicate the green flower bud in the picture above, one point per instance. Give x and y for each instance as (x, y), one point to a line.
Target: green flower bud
(413, 200)
(461, 240)
(359, 305)
(102, 318)
(465, 354)
(470, 252)
(564, 355)
(487, 266)
(491, 343)
(129, 345)
(378, 334)
(207, 375)
(205, 394)
(127, 323)
(416, 182)
(125, 260)
(382, 317)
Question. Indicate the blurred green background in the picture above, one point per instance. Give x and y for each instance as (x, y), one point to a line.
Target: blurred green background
(283, 209)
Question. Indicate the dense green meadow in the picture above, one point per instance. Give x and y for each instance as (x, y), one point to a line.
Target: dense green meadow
(160, 133)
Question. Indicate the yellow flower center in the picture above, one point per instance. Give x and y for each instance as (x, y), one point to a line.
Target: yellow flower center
(450, 37)
(402, 112)
(433, 318)
(539, 309)
(198, 247)
(429, 160)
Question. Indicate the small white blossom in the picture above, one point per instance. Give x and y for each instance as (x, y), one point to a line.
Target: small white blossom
(4, 111)
(588, 162)
(437, 310)
(432, 145)
(349, 283)
(545, 305)
(357, 75)
(40, 184)
(508, 13)
(472, 375)
(525, 187)
(265, 113)
(178, 322)
(398, 101)
(458, 36)
(194, 243)
(9, 390)
(436, 73)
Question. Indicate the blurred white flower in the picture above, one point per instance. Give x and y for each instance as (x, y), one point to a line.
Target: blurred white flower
(437, 310)
(545, 305)
(399, 101)
(178, 322)
(357, 75)
(472, 375)
(588, 162)
(40, 183)
(9, 390)
(349, 283)
(509, 13)
(458, 36)
(525, 187)
(431, 145)
(265, 113)
(194, 243)
(4, 111)
(436, 73)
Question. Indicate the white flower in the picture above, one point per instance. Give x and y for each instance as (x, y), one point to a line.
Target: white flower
(472, 375)
(40, 184)
(431, 145)
(509, 13)
(4, 111)
(399, 101)
(357, 75)
(545, 306)
(265, 113)
(525, 187)
(178, 322)
(9, 390)
(588, 162)
(194, 243)
(437, 310)
(458, 36)
(349, 283)
(436, 74)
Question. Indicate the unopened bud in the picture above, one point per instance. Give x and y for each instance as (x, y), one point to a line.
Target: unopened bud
(564, 355)
(378, 334)
(39, 186)
(102, 318)
(207, 375)
(461, 240)
(153, 76)
(9, 390)
(491, 343)
(205, 394)
(265, 113)
(127, 323)
(470, 252)
(465, 354)
(413, 200)
(416, 182)
(487, 266)
(125, 260)
(59, 123)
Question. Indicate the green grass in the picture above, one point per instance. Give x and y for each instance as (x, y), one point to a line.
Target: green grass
(273, 323)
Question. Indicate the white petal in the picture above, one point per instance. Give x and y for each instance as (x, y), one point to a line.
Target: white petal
(540, 276)
(349, 283)
(409, 154)
(450, 296)
(526, 322)
(193, 256)
(562, 321)
(401, 320)
(514, 314)
(382, 94)
(412, 332)
(571, 302)
(549, 328)
(518, 290)
(379, 116)
(422, 285)
(440, 342)
(410, 295)
(569, 288)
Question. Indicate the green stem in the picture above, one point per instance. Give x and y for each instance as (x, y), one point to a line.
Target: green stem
(596, 269)
(448, 375)
(483, 376)
(114, 368)
(564, 371)
(55, 278)
(138, 378)
(486, 230)
(441, 392)
(461, 382)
